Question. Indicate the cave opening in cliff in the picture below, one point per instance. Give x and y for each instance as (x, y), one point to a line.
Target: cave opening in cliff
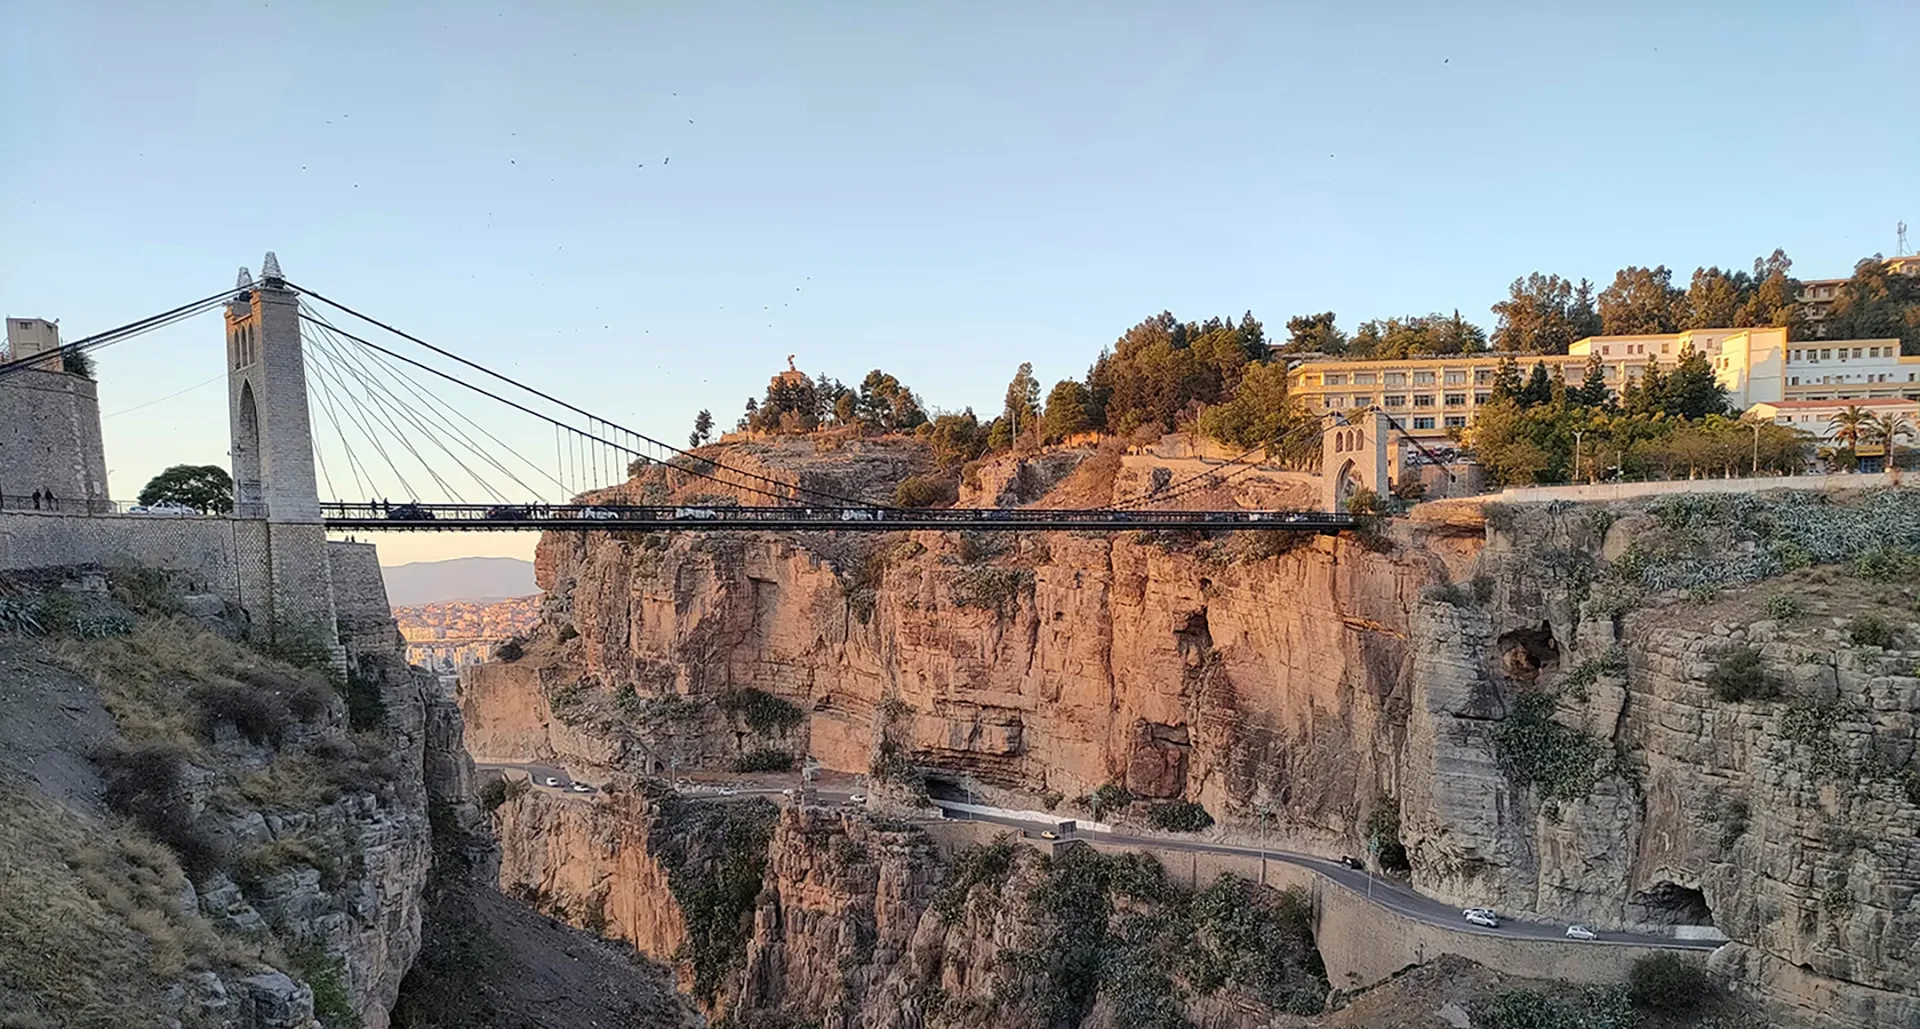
(1525, 651)
(1669, 903)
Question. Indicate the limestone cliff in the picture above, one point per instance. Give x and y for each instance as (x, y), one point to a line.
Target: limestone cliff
(1515, 713)
(221, 836)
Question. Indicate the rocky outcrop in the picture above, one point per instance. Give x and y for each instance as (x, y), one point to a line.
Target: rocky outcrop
(275, 818)
(1522, 706)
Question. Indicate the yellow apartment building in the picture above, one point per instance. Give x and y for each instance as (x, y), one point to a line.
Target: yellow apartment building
(1430, 395)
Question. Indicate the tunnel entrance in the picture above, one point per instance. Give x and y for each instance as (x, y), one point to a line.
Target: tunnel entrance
(1669, 903)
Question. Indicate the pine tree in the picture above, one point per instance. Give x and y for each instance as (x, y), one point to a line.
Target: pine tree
(1506, 381)
(1539, 388)
(1593, 389)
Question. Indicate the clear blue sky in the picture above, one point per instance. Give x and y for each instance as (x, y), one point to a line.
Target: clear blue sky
(647, 206)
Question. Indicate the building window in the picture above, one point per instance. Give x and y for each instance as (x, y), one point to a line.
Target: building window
(1826, 353)
(1456, 421)
(1456, 378)
(1423, 400)
(1335, 380)
(1363, 378)
(1609, 372)
(1456, 400)
(1423, 378)
(1362, 401)
(1396, 400)
(1663, 348)
(1423, 423)
(1395, 379)
(1482, 377)
(1483, 398)
(1336, 402)
(1795, 382)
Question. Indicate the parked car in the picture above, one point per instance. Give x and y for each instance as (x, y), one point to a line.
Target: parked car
(550, 781)
(598, 514)
(856, 515)
(580, 787)
(1581, 932)
(858, 798)
(1352, 862)
(1049, 834)
(702, 514)
(167, 508)
(1482, 916)
(409, 513)
(506, 513)
(726, 791)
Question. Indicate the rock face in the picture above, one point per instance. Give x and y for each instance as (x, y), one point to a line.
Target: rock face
(1522, 706)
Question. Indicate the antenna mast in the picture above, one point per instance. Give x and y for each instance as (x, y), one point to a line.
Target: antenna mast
(1900, 244)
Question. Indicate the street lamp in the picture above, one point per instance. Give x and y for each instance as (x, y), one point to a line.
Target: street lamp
(1577, 433)
(1756, 449)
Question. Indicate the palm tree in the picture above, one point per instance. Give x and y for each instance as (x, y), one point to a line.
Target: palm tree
(1850, 427)
(1888, 430)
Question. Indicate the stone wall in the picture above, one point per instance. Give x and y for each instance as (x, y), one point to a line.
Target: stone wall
(50, 438)
(240, 560)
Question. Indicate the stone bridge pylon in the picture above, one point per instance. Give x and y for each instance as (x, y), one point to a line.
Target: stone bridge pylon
(276, 497)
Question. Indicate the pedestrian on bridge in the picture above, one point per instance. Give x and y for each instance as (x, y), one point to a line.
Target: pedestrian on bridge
(36, 500)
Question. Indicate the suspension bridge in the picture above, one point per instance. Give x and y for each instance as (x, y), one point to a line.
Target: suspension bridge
(326, 399)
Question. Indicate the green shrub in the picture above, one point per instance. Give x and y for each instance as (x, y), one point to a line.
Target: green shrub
(366, 706)
(988, 586)
(493, 794)
(147, 783)
(1783, 606)
(1179, 816)
(923, 491)
(258, 715)
(1741, 674)
(981, 864)
(1667, 983)
(1111, 797)
(1886, 565)
(1872, 631)
(567, 632)
(1561, 762)
(762, 711)
(332, 1004)
(1595, 1007)
(764, 760)
(510, 651)
(715, 856)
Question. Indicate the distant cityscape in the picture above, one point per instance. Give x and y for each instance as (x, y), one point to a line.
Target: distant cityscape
(453, 634)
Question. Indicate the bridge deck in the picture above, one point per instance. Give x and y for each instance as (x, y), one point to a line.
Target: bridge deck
(604, 518)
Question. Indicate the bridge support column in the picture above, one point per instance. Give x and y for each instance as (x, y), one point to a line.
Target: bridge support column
(273, 467)
(1353, 456)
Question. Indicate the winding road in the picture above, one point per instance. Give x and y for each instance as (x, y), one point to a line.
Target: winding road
(1385, 893)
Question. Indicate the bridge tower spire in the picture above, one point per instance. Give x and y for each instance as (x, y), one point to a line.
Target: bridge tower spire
(273, 468)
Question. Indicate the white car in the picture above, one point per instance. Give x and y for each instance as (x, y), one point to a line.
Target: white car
(858, 798)
(580, 787)
(1581, 932)
(597, 514)
(855, 515)
(166, 508)
(1481, 916)
(550, 781)
(726, 791)
(786, 793)
(702, 514)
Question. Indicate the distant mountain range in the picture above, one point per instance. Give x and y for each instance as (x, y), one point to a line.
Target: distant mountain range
(461, 578)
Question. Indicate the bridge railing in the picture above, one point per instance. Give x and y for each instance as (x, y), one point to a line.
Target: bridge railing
(611, 515)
